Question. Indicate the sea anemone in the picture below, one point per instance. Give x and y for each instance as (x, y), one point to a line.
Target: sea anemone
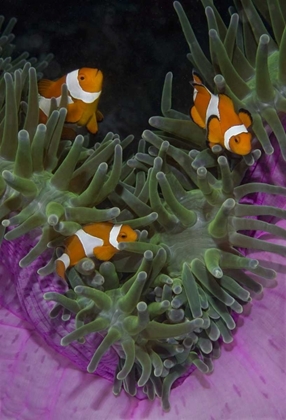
(163, 305)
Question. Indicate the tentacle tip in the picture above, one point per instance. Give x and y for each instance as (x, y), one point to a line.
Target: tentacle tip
(169, 76)
(79, 289)
(64, 343)
(62, 111)
(269, 150)
(195, 164)
(116, 392)
(7, 77)
(202, 172)
(222, 160)
(148, 255)
(198, 322)
(7, 175)
(253, 264)
(141, 306)
(213, 33)
(217, 149)
(193, 153)
(217, 273)
(146, 133)
(264, 39)
(160, 176)
(79, 139)
(142, 276)
(23, 263)
(90, 368)
(141, 382)
(256, 154)
(122, 246)
(115, 212)
(42, 128)
(166, 406)
(229, 203)
(165, 304)
(53, 220)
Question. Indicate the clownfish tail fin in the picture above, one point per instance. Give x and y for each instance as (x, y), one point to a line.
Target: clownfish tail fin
(44, 87)
(197, 119)
(62, 263)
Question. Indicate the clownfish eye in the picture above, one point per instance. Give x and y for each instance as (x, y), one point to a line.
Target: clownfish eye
(81, 77)
(236, 140)
(123, 236)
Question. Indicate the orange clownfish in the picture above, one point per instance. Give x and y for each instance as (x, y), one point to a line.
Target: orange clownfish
(98, 240)
(224, 125)
(84, 89)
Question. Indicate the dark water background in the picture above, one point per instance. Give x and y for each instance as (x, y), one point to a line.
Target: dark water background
(135, 43)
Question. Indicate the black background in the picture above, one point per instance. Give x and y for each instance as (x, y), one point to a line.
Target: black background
(135, 43)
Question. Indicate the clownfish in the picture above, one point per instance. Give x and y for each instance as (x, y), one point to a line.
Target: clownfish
(217, 115)
(84, 89)
(98, 240)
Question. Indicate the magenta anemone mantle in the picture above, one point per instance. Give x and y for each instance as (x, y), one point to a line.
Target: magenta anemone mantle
(211, 233)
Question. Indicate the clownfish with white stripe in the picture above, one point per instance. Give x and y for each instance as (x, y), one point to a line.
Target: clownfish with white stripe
(98, 240)
(217, 115)
(84, 89)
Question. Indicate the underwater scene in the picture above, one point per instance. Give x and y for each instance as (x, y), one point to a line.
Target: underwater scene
(143, 210)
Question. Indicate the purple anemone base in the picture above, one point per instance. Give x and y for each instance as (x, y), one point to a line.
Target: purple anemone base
(49, 381)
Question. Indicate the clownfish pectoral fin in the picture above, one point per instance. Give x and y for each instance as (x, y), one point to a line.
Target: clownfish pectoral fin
(104, 253)
(99, 116)
(214, 134)
(92, 125)
(196, 117)
(44, 88)
(245, 117)
(68, 133)
(74, 113)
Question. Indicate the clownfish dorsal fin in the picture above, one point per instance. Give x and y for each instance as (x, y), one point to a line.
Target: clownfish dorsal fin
(44, 87)
(196, 78)
(196, 117)
(201, 89)
(245, 117)
(202, 97)
(105, 252)
(214, 134)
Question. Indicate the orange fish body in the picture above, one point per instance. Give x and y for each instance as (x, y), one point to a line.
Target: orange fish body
(84, 89)
(98, 240)
(217, 115)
